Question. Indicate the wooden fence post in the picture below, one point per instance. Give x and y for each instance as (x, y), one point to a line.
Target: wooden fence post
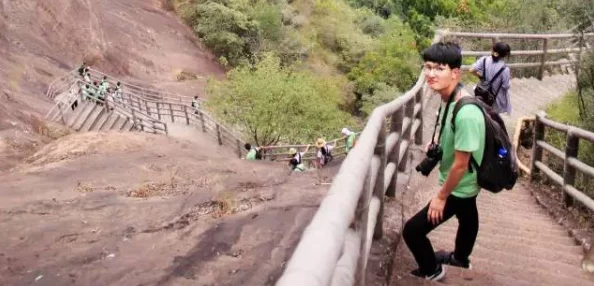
(148, 111)
(378, 189)
(361, 224)
(419, 97)
(171, 112)
(571, 151)
(395, 127)
(186, 114)
(238, 148)
(219, 134)
(543, 58)
(158, 111)
(407, 135)
(539, 132)
(202, 121)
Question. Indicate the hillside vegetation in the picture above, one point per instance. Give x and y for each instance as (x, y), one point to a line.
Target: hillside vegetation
(365, 52)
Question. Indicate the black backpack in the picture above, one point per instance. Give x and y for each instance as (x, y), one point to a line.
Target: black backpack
(495, 173)
(484, 89)
(327, 154)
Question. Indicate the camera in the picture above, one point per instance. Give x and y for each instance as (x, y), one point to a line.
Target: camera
(433, 157)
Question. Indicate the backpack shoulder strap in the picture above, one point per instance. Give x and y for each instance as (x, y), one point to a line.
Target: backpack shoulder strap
(484, 77)
(498, 73)
(467, 100)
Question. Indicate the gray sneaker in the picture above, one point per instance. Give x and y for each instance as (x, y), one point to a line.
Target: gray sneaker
(448, 258)
(436, 276)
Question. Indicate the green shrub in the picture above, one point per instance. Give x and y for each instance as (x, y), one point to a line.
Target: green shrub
(275, 104)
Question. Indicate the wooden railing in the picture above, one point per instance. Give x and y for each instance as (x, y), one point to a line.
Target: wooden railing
(67, 89)
(571, 163)
(547, 48)
(330, 252)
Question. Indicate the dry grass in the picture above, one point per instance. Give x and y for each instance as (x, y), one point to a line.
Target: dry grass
(149, 189)
(185, 75)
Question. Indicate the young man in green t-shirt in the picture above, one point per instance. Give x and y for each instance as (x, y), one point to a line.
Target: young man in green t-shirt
(458, 188)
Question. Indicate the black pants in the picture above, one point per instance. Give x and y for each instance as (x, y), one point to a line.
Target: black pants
(416, 230)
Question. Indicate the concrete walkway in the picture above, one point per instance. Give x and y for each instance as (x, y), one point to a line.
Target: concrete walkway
(518, 242)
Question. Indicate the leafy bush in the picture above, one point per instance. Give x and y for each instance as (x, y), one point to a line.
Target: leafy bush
(394, 63)
(275, 104)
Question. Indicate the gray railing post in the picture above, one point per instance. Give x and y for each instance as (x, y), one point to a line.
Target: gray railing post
(571, 151)
(361, 226)
(539, 132)
(395, 127)
(202, 121)
(158, 111)
(419, 100)
(219, 134)
(186, 114)
(148, 111)
(378, 189)
(171, 112)
(543, 58)
(407, 134)
(238, 148)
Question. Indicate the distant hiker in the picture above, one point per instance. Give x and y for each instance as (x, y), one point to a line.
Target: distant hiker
(254, 153)
(350, 138)
(296, 161)
(88, 92)
(117, 93)
(324, 154)
(195, 104)
(87, 76)
(103, 86)
(454, 150)
(81, 69)
(494, 75)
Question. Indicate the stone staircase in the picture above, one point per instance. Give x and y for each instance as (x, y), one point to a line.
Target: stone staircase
(529, 95)
(518, 242)
(90, 116)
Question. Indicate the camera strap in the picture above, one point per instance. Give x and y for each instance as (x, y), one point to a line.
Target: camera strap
(445, 114)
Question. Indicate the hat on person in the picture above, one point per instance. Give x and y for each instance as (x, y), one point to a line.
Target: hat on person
(320, 143)
(292, 151)
(345, 131)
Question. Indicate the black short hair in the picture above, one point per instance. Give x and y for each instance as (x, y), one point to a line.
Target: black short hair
(502, 49)
(104, 77)
(444, 53)
(247, 146)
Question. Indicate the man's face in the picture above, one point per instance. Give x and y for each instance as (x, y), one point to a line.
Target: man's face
(440, 76)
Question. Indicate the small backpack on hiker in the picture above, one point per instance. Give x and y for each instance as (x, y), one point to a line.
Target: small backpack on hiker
(327, 154)
(484, 89)
(499, 169)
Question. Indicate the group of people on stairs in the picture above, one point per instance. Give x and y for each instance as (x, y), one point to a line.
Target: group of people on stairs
(98, 90)
(296, 162)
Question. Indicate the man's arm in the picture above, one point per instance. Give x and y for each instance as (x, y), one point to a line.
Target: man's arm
(459, 168)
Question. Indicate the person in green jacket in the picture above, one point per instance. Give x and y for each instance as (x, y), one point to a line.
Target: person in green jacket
(254, 153)
(350, 138)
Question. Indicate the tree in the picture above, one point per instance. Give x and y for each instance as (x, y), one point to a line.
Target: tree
(273, 104)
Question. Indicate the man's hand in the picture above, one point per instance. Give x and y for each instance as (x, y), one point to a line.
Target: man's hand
(435, 213)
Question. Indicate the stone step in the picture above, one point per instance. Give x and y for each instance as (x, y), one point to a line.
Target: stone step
(78, 113)
(93, 117)
(102, 121)
(117, 123)
(84, 116)
(526, 239)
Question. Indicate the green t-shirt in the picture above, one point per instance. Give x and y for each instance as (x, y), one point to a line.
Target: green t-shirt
(350, 141)
(469, 137)
(251, 155)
